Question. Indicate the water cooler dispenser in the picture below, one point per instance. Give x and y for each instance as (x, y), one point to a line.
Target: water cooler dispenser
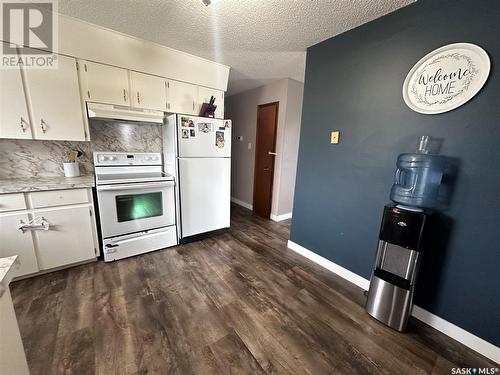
(415, 194)
(398, 257)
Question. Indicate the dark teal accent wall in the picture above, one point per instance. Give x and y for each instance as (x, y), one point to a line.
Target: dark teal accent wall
(353, 84)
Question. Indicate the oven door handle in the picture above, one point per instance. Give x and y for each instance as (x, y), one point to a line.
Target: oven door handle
(135, 186)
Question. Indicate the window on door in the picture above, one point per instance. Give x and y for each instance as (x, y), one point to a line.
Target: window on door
(138, 206)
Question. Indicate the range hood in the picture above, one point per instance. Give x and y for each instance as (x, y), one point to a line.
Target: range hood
(118, 112)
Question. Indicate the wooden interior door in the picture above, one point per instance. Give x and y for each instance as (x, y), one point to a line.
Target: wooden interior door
(265, 152)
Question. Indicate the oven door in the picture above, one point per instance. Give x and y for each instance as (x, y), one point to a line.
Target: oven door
(135, 207)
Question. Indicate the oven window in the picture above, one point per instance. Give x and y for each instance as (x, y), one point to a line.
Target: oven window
(138, 206)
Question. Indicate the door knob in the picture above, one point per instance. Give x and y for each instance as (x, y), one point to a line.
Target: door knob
(266, 169)
(272, 153)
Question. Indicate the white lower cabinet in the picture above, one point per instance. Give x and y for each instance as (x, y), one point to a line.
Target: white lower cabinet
(15, 242)
(69, 238)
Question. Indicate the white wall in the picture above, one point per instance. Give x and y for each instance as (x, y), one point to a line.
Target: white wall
(290, 147)
(242, 109)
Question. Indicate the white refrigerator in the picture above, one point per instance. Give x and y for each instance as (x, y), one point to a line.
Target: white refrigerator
(204, 172)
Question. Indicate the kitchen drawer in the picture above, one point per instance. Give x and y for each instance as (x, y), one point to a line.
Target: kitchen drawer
(58, 197)
(12, 202)
(138, 243)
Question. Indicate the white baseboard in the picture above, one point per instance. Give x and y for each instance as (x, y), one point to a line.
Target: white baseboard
(455, 332)
(241, 203)
(468, 339)
(281, 217)
(329, 265)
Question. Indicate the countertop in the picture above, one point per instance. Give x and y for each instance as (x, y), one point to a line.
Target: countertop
(7, 265)
(45, 183)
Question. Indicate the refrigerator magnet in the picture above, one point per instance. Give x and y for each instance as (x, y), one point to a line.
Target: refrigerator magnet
(205, 127)
(192, 133)
(219, 139)
(185, 121)
(185, 133)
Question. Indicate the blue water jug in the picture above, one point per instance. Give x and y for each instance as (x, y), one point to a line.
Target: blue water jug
(417, 180)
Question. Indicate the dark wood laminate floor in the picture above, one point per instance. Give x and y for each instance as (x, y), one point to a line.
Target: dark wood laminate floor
(237, 303)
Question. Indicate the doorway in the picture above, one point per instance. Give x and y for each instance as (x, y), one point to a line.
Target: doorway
(265, 153)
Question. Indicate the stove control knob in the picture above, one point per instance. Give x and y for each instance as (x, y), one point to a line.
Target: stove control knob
(112, 158)
(155, 158)
(103, 158)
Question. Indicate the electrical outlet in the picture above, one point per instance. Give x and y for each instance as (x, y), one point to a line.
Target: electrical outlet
(334, 137)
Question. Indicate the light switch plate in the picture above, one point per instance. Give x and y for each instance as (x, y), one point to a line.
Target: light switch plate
(249, 145)
(334, 137)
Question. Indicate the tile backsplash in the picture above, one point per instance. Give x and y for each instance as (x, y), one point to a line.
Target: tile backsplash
(21, 158)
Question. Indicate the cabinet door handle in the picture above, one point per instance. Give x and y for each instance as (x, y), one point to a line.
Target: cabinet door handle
(38, 223)
(124, 95)
(193, 105)
(138, 98)
(24, 125)
(43, 125)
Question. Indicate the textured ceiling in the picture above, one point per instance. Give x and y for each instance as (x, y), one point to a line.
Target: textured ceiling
(262, 40)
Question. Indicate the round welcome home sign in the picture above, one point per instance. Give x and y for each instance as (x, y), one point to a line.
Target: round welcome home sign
(446, 78)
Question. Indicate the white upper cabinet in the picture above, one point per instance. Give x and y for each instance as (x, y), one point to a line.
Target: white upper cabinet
(204, 95)
(14, 118)
(148, 91)
(104, 84)
(182, 98)
(55, 101)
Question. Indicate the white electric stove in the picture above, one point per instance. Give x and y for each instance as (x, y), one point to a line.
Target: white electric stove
(136, 203)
